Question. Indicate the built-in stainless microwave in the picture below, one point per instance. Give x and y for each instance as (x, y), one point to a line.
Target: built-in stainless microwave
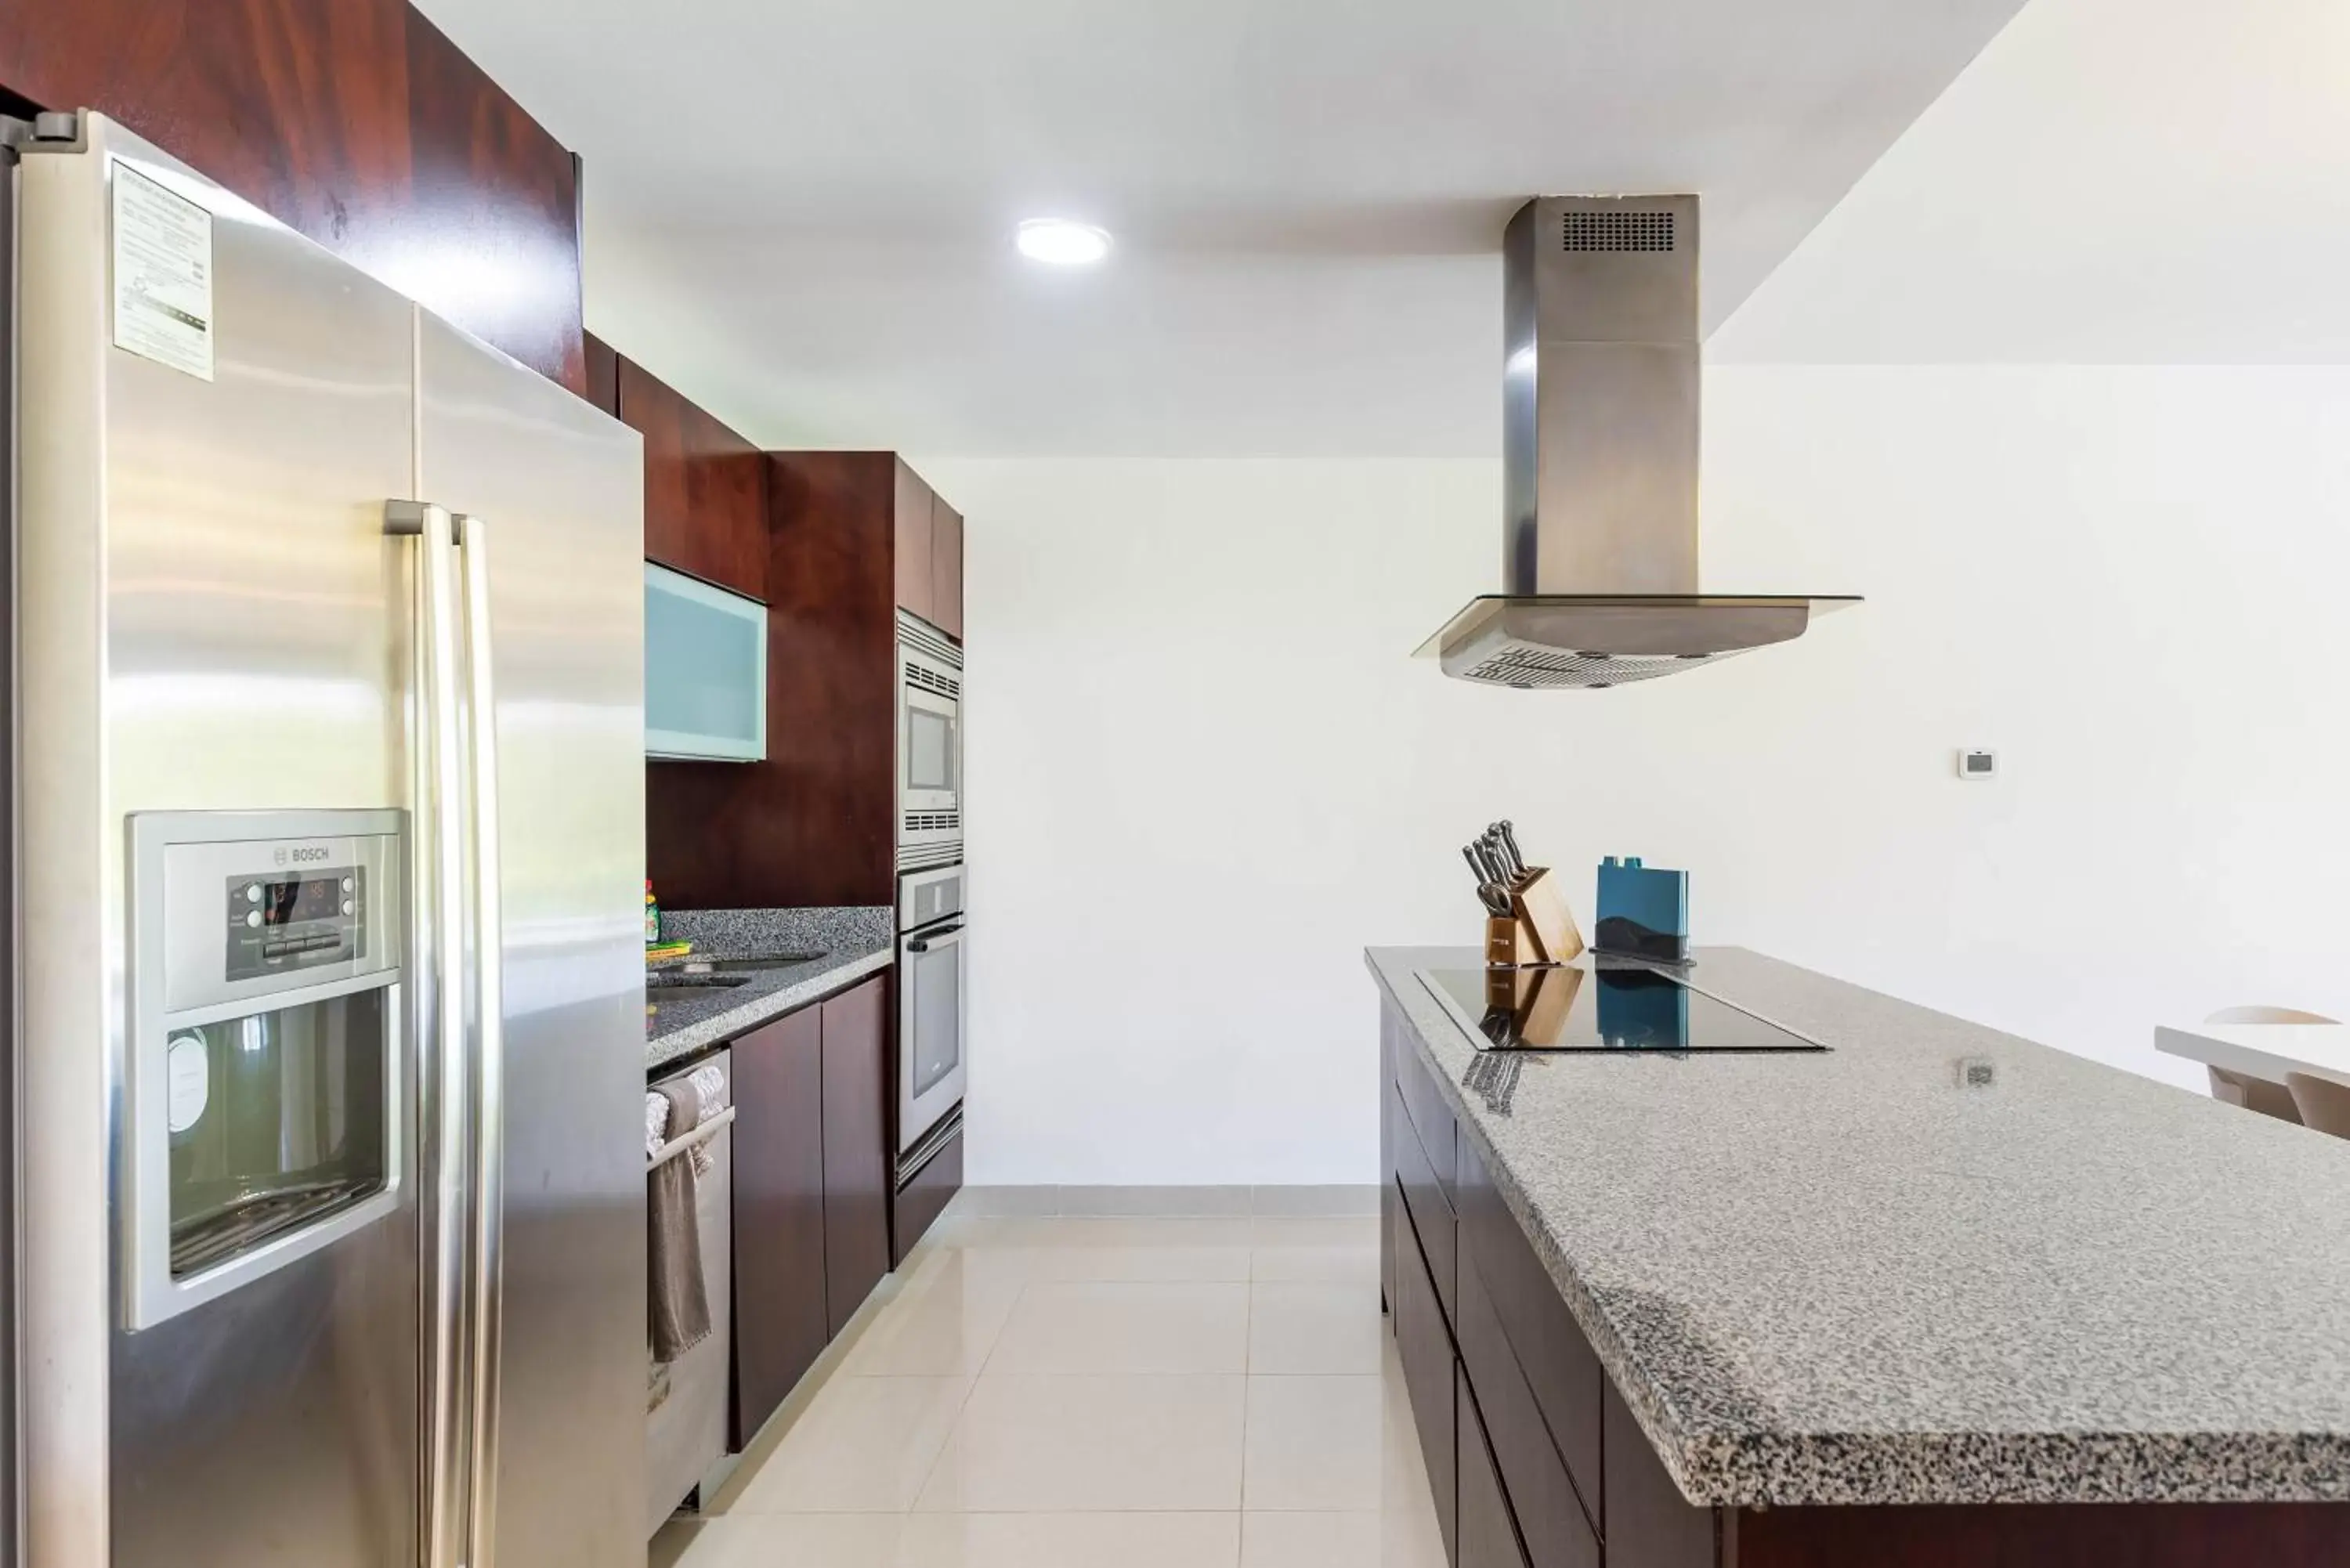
(928, 747)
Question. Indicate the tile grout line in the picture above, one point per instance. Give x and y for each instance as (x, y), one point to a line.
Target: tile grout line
(930, 1472)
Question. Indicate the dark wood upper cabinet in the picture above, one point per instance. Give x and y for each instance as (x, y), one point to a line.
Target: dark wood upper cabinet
(912, 509)
(946, 568)
(705, 487)
(817, 821)
(856, 1165)
(355, 122)
(781, 1323)
(603, 388)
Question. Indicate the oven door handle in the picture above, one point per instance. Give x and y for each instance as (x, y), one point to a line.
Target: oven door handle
(949, 938)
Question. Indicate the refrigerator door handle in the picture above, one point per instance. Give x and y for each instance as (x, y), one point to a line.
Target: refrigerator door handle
(439, 940)
(488, 1042)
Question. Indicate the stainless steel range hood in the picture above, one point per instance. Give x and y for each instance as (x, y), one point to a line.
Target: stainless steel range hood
(1600, 462)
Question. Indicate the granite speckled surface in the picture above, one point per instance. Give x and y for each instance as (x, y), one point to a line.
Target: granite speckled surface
(849, 943)
(1842, 1277)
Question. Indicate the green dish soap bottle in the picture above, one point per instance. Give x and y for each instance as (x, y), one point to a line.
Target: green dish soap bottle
(652, 917)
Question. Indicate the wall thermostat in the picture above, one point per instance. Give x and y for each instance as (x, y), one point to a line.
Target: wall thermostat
(1975, 762)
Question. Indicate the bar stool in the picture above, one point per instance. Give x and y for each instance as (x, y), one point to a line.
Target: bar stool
(2324, 1104)
(2259, 1094)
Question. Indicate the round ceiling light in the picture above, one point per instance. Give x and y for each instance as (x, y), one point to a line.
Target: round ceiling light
(1058, 242)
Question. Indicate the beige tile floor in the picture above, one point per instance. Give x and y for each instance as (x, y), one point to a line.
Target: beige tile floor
(1135, 1393)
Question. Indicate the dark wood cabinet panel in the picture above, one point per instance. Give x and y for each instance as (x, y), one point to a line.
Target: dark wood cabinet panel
(946, 568)
(357, 123)
(856, 1153)
(603, 374)
(1544, 1345)
(814, 824)
(1430, 1215)
(1646, 1522)
(1550, 1512)
(1431, 1116)
(1390, 1200)
(925, 1197)
(913, 534)
(2032, 1535)
(705, 487)
(780, 1325)
(1488, 1533)
(1425, 1349)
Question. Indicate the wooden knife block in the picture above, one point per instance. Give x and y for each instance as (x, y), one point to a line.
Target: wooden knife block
(1539, 929)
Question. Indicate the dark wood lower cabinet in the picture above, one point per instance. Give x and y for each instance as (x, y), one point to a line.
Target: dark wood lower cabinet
(1551, 1512)
(1488, 1531)
(1389, 1199)
(857, 1167)
(1424, 1346)
(780, 1321)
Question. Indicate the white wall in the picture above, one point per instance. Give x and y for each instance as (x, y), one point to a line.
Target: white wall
(1204, 773)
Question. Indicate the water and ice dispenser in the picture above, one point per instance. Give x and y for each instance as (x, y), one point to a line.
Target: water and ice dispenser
(267, 1098)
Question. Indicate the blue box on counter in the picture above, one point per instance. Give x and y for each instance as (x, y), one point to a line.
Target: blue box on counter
(1643, 912)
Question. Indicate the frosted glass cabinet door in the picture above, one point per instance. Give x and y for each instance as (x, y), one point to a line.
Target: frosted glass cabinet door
(706, 671)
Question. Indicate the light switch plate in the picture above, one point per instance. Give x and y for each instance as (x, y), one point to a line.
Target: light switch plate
(1980, 764)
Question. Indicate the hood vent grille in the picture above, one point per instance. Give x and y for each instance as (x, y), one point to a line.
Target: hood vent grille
(1617, 231)
(1543, 668)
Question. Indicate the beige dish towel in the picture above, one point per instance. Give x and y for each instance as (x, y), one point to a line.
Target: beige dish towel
(679, 1305)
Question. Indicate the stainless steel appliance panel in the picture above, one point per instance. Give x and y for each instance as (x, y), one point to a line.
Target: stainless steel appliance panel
(933, 1002)
(556, 490)
(11, 1543)
(220, 627)
(686, 1431)
(928, 747)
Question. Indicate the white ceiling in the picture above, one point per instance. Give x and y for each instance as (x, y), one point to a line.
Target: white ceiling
(802, 214)
(2160, 181)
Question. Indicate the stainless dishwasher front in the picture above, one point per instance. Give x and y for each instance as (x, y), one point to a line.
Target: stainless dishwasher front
(686, 1431)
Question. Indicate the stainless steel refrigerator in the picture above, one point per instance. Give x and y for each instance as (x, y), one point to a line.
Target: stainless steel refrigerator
(330, 805)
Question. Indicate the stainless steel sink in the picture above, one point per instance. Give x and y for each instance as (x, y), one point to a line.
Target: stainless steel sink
(674, 979)
(742, 965)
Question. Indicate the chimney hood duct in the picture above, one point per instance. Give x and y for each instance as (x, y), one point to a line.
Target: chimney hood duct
(1599, 444)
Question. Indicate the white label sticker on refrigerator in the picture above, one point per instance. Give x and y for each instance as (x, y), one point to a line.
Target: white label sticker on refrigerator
(188, 1081)
(162, 275)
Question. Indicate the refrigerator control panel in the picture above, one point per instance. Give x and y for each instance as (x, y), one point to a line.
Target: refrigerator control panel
(277, 922)
(231, 907)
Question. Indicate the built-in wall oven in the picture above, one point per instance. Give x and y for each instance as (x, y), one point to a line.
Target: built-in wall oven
(931, 1009)
(928, 747)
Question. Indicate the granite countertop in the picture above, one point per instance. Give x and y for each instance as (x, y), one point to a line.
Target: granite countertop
(850, 942)
(1842, 1277)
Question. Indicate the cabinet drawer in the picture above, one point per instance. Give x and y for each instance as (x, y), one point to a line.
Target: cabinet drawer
(1424, 1349)
(1548, 1506)
(1430, 1211)
(1559, 1369)
(1431, 1116)
(1488, 1533)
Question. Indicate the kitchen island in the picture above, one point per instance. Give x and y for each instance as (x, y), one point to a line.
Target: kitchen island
(1934, 1296)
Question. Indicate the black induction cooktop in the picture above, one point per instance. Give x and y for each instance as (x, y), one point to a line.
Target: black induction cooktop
(1597, 1005)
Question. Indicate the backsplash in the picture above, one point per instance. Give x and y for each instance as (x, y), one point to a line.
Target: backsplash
(723, 931)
